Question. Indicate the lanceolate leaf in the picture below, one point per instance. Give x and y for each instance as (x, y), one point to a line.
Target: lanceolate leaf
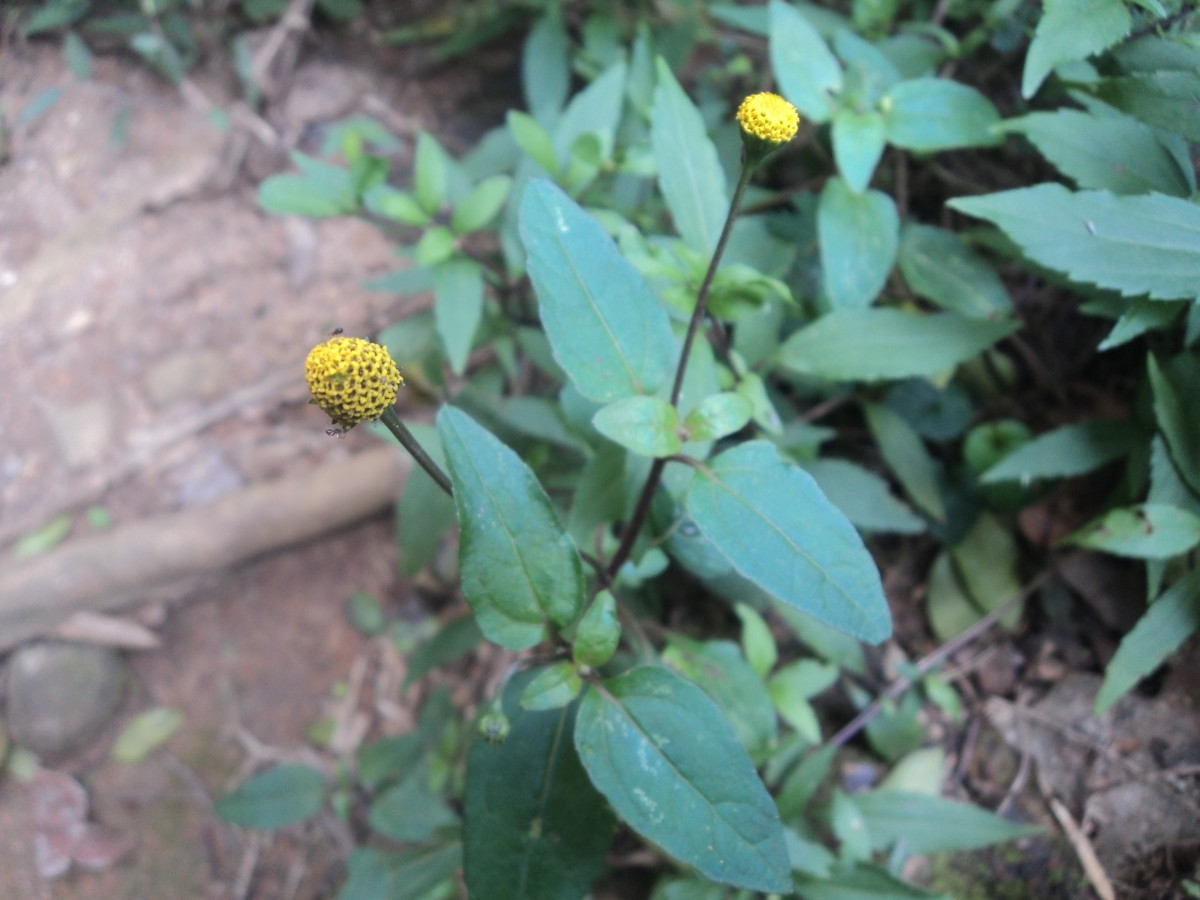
(1148, 244)
(1071, 30)
(863, 496)
(1175, 385)
(879, 344)
(806, 69)
(276, 798)
(458, 308)
(689, 172)
(1165, 100)
(607, 329)
(776, 527)
(940, 267)
(1169, 622)
(858, 234)
(1149, 531)
(660, 751)
(932, 824)
(535, 827)
(1065, 452)
(520, 570)
(1110, 152)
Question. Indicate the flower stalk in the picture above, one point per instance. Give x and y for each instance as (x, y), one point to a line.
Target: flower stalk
(767, 121)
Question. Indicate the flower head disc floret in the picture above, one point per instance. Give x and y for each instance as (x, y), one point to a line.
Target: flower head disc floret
(769, 118)
(352, 380)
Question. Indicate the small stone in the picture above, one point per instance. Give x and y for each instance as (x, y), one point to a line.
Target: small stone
(188, 375)
(60, 696)
(84, 432)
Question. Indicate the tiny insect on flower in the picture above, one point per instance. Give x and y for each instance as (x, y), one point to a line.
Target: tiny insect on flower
(352, 380)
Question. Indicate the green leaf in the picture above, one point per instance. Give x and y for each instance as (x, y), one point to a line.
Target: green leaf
(457, 308)
(409, 811)
(858, 234)
(1109, 152)
(454, 640)
(776, 527)
(807, 72)
(880, 344)
(689, 172)
(1148, 244)
(849, 827)
(278, 797)
(429, 173)
(803, 782)
(594, 110)
(986, 562)
(940, 267)
(1169, 621)
(145, 733)
(552, 688)
(905, 454)
(43, 539)
(930, 114)
(78, 56)
(1164, 100)
(1148, 531)
(863, 497)
(925, 824)
(858, 142)
(862, 882)
(1065, 452)
(718, 416)
(388, 759)
(948, 606)
(598, 632)
(1071, 30)
(534, 140)
(535, 827)
(699, 800)
(520, 571)
(436, 246)
(792, 687)
(1140, 317)
(482, 205)
(608, 331)
(546, 66)
(409, 874)
(365, 614)
(648, 426)
(757, 641)
(718, 668)
(299, 195)
(55, 14)
(1180, 424)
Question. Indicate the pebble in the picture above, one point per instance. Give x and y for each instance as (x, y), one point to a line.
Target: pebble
(60, 696)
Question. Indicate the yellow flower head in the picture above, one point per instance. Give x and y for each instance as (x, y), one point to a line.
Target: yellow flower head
(352, 380)
(769, 118)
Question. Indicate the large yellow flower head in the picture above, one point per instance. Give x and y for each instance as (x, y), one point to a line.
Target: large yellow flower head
(352, 380)
(768, 118)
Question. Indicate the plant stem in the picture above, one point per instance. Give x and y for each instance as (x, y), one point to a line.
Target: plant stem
(642, 508)
(391, 419)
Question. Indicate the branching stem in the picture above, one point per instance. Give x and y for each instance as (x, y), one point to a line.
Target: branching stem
(642, 508)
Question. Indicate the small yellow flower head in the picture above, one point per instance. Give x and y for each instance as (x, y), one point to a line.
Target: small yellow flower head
(352, 380)
(767, 119)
